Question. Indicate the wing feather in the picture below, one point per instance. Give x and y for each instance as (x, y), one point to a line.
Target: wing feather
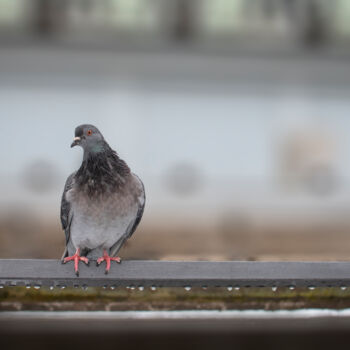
(133, 225)
(66, 212)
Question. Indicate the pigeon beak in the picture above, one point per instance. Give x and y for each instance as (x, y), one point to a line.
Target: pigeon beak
(76, 141)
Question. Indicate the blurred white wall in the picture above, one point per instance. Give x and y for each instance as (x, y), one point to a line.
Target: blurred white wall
(223, 135)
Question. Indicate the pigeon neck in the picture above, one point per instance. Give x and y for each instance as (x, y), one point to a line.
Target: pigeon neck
(102, 171)
(93, 150)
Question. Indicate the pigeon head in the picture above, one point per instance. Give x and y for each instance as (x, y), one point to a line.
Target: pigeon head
(101, 168)
(89, 138)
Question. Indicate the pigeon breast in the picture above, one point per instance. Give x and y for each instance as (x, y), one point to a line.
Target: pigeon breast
(99, 222)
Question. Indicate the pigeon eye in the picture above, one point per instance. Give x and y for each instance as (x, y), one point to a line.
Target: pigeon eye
(89, 132)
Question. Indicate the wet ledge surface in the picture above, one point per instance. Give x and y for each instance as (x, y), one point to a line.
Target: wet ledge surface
(176, 274)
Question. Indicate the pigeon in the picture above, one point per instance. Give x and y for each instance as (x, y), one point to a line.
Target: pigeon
(102, 202)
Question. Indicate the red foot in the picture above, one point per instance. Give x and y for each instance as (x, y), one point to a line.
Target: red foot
(76, 257)
(108, 260)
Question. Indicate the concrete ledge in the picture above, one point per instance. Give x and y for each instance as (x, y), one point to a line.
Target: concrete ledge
(176, 274)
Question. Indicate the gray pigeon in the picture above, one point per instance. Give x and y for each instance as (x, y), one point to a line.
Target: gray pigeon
(102, 202)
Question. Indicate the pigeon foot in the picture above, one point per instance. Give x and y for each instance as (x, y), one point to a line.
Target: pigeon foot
(76, 258)
(108, 260)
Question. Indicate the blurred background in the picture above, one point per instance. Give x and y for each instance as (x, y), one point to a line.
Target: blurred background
(235, 113)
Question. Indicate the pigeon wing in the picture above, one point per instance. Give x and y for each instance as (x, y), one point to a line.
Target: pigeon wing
(133, 225)
(66, 212)
(142, 201)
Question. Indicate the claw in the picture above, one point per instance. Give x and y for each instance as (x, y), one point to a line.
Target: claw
(76, 258)
(108, 260)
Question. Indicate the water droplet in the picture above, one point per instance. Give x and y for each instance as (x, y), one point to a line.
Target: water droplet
(37, 286)
(112, 287)
(237, 287)
(274, 288)
(153, 288)
(188, 288)
(291, 287)
(343, 287)
(311, 287)
(229, 288)
(141, 288)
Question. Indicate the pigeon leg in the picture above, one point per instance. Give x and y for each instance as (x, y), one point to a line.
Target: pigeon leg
(107, 259)
(76, 257)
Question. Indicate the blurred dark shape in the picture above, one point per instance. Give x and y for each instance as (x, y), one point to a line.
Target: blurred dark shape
(43, 332)
(39, 176)
(183, 179)
(315, 31)
(48, 16)
(184, 20)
